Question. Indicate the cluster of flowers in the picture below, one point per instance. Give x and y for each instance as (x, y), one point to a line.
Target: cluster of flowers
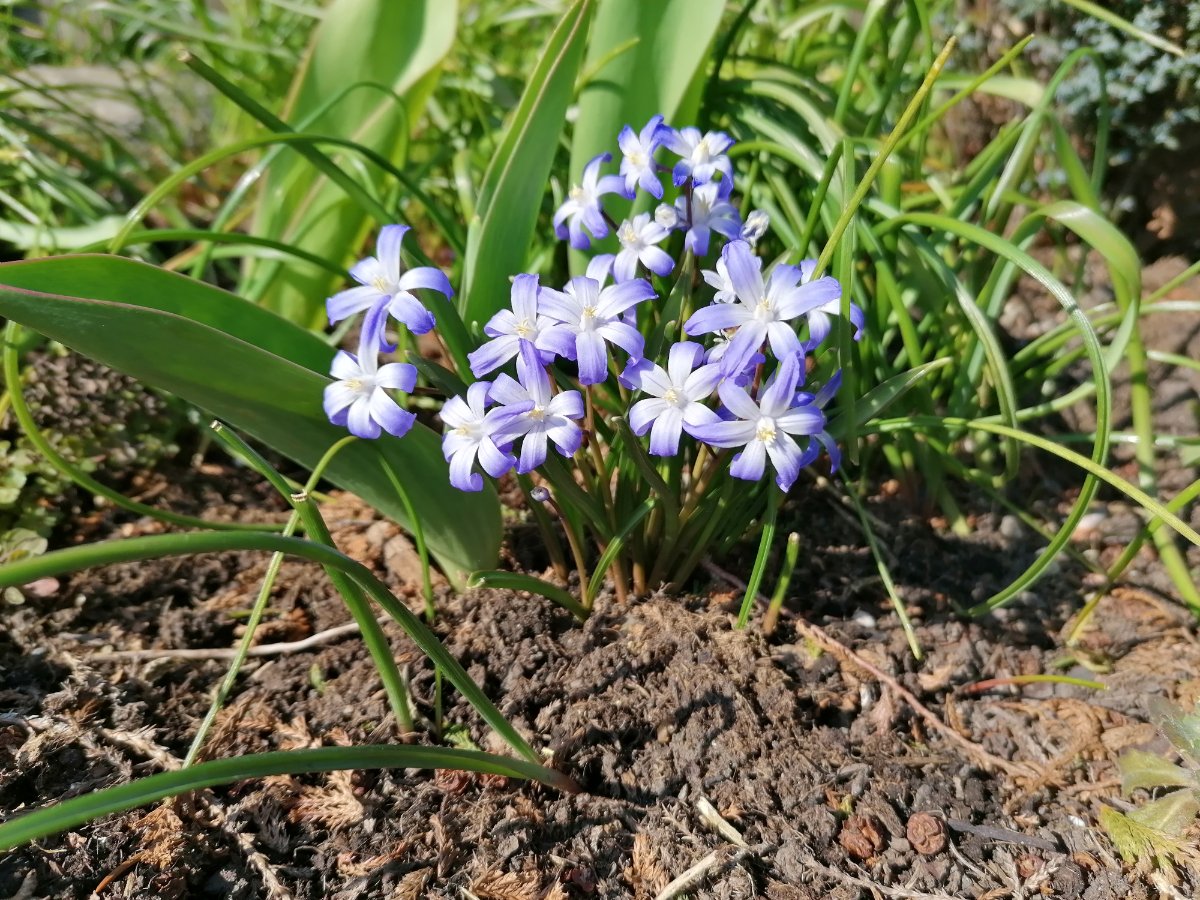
(509, 422)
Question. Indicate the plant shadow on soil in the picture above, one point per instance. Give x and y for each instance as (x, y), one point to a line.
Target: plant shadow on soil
(654, 707)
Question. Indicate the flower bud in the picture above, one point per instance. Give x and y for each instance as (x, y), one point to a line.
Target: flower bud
(755, 227)
(667, 216)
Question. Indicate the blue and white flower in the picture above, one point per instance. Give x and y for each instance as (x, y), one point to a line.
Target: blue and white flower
(765, 430)
(523, 324)
(674, 404)
(595, 316)
(468, 437)
(537, 415)
(709, 211)
(761, 312)
(386, 289)
(582, 207)
(638, 167)
(703, 155)
(359, 400)
(639, 241)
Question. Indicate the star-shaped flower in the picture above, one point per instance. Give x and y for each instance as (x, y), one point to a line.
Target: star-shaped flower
(359, 401)
(761, 312)
(523, 324)
(703, 155)
(537, 415)
(674, 405)
(386, 289)
(582, 209)
(638, 167)
(469, 430)
(710, 211)
(764, 429)
(594, 315)
(639, 240)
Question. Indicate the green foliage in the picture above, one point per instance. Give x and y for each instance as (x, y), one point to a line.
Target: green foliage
(250, 368)
(1153, 834)
(365, 78)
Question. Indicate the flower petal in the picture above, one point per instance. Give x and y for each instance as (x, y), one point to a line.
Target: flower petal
(387, 249)
(776, 396)
(717, 317)
(359, 420)
(493, 354)
(387, 412)
(397, 376)
(750, 463)
(725, 434)
(347, 303)
(426, 277)
(643, 413)
(409, 310)
(744, 270)
(664, 436)
(461, 474)
(738, 402)
(681, 359)
(592, 356)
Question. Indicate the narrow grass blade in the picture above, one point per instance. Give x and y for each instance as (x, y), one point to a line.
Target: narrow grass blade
(78, 811)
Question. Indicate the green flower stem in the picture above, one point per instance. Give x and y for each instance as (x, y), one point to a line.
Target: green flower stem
(235, 666)
(158, 546)
(12, 380)
(790, 556)
(574, 543)
(760, 561)
(316, 529)
(418, 534)
(893, 139)
(545, 526)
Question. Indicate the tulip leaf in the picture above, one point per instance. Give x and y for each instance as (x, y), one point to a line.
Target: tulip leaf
(668, 43)
(515, 182)
(381, 56)
(250, 368)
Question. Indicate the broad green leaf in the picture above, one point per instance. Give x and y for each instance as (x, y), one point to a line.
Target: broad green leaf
(245, 365)
(515, 182)
(668, 44)
(78, 811)
(1140, 769)
(388, 52)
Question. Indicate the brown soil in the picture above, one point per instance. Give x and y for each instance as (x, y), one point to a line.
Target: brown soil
(657, 709)
(803, 765)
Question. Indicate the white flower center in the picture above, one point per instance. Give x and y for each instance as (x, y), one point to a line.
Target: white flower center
(588, 318)
(639, 159)
(524, 329)
(381, 284)
(629, 237)
(577, 194)
(702, 151)
(358, 385)
(672, 396)
(463, 431)
(764, 311)
(538, 413)
(766, 431)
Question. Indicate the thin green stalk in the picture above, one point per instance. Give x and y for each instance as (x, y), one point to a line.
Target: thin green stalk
(316, 529)
(260, 605)
(159, 546)
(88, 807)
(16, 397)
(864, 186)
(884, 572)
(760, 561)
(790, 555)
(418, 534)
